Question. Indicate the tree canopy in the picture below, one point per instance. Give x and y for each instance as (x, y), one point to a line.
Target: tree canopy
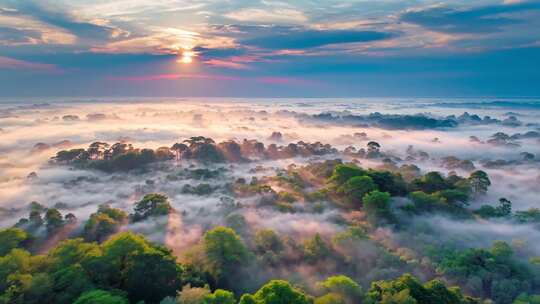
(277, 292)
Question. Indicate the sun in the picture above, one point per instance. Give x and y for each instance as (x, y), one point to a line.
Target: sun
(186, 57)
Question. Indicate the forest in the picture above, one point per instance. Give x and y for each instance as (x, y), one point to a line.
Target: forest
(368, 216)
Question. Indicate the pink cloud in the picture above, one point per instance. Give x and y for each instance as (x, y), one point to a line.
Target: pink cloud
(288, 52)
(227, 64)
(237, 62)
(154, 77)
(246, 58)
(164, 77)
(15, 64)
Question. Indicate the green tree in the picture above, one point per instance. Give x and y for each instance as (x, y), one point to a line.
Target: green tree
(377, 206)
(28, 289)
(71, 252)
(40, 289)
(501, 250)
(373, 149)
(277, 292)
(408, 290)
(220, 296)
(431, 182)
(531, 215)
(503, 210)
(204, 150)
(423, 202)
(267, 240)
(343, 286)
(103, 223)
(316, 248)
(151, 275)
(355, 188)
(502, 277)
(402, 297)
(343, 173)
(350, 236)
(53, 220)
(100, 297)
(110, 267)
(11, 238)
(527, 299)
(225, 251)
(35, 219)
(388, 182)
(330, 298)
(73, 155)
(479, 182)
(268, 246)
(505, 207)
(16, 261)
(35, 206)
(455, 196)
(153, 204)
(127, 161)
(71, 271)
(70, 283)
(236, 221)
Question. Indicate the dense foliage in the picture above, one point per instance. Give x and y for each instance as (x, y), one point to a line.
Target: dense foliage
(408, 290)
(126, 266)
(356, 257)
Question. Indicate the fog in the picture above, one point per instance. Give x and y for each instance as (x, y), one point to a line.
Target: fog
(32, 134)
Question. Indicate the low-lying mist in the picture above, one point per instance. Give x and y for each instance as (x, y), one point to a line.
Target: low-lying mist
(261, 192)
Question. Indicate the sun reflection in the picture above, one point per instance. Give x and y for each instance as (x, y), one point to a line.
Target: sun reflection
(187, 57)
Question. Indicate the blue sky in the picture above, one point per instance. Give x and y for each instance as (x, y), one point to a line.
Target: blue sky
(270, 48)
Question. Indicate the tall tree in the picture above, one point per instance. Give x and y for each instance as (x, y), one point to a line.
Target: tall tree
(480, 182)
(225, 252)
(277, 292)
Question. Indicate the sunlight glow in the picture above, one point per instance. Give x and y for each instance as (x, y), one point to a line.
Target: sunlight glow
(187, 57)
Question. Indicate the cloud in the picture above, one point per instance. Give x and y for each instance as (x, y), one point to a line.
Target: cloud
(484, 19)
(237, 58)
(277, 15)
(297, 38)
(134, 8)
(14, 36)
(159, 40)
(18, 29)
(154, 77)
(219, 52)
(416, 51)
(229, 64)
(97, 30)
(10, 63)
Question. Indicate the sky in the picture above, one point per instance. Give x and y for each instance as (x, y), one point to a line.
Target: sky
(250, 48)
